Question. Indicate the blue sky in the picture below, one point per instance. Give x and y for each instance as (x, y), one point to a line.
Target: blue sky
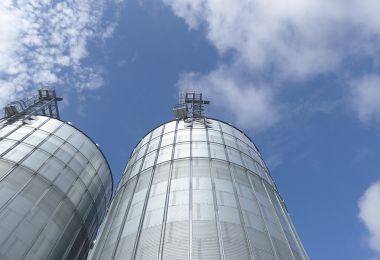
(301, 78)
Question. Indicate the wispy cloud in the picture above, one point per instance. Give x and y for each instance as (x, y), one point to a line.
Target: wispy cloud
(45, 43)
(369, 214)
(276, 44)
(229, 90)
(365, 97)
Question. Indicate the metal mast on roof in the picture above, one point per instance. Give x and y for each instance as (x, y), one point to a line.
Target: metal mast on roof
(191, 107)
(43, 103)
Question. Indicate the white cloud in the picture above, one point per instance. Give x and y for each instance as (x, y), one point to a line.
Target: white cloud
(250, 104)
(108, 32)
(45, 43)
(365, 97)
(369, 214)
(11, 24)
(294, 40)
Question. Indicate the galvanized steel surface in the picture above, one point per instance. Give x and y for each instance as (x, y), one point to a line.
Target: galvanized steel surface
(197, 191)
(55, 185)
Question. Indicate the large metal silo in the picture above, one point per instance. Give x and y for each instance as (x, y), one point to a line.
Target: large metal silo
(197, 188)
(55, 186)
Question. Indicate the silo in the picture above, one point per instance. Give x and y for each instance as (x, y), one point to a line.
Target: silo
(197, 188)
(55, 186)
